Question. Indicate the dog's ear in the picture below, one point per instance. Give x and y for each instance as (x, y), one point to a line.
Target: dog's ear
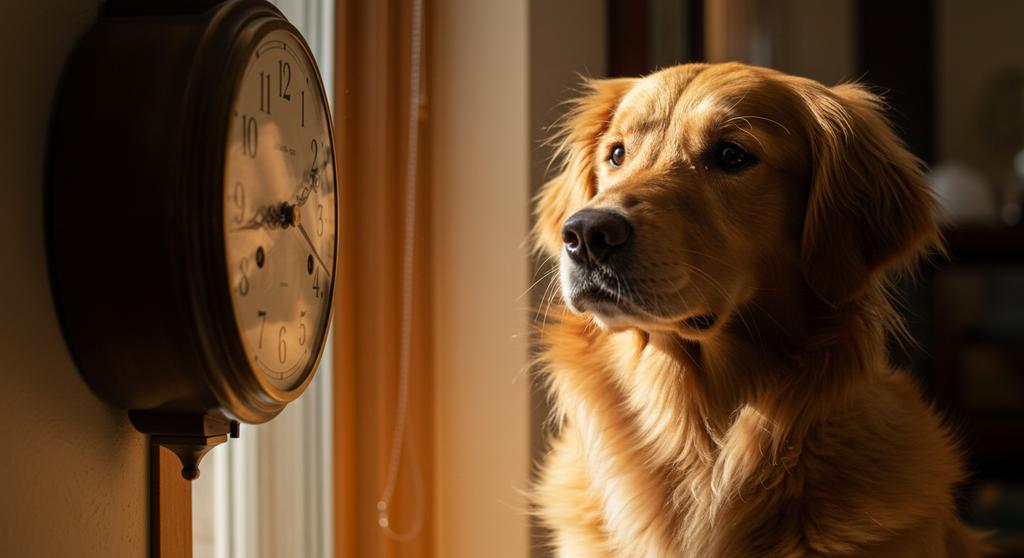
(577, 136)
(869, 209)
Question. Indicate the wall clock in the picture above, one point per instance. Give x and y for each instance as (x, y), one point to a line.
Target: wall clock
(192, 215)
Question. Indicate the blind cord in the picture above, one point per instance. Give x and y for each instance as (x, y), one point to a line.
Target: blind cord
(399, 436)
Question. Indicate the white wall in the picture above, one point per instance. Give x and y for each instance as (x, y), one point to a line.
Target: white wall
(480, 145)
(72, 470)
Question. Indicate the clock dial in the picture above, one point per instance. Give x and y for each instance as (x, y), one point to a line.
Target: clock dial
(279, 211)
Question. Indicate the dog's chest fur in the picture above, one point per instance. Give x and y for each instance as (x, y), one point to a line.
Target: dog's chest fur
(652, 460)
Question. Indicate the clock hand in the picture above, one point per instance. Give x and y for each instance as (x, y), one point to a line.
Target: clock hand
(285, 216)
(313, 249)
(270, 217)
(281, 215)
(313, 177)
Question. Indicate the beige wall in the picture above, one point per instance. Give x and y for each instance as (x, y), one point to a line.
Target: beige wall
(72, 470)
(480, 146)
(501, 69)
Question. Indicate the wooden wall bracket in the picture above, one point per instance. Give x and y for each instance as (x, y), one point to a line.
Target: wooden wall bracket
(188, 436)
(177, 443)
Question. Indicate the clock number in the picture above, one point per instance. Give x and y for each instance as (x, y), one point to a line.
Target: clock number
(316, 152)
(238, 196)
(316, 283)
(302, 327)
(282, 348)
(243, 283)
(284, 79)
(302, 98)
(263, 321)
(320, 224)
(265, 92)
(250, 136)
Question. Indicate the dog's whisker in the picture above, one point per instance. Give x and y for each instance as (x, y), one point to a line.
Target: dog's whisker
(553, 285)
(749, 133)
(753, 303)
(737, 103)
(553, 282)
(717, 285)
(633, 295)
(543, 277)
(765, 118)
(542, 264)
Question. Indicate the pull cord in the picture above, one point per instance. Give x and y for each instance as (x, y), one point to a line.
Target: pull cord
(399, 437)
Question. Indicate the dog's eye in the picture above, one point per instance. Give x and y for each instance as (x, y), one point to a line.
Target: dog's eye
(731, 157)
(617, 155)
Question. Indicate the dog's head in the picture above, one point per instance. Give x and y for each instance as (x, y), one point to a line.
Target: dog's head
(688, 194)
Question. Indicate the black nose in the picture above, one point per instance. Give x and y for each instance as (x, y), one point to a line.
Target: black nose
(592, 235)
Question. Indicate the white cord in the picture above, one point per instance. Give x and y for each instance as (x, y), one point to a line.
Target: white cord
(401, 411)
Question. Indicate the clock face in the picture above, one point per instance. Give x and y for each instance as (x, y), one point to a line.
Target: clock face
(279, 211)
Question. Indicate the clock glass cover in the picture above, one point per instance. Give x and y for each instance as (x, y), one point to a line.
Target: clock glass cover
(280, 211)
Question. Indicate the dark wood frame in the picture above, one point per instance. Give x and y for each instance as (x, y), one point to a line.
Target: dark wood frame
(896, 55)
(629, 31)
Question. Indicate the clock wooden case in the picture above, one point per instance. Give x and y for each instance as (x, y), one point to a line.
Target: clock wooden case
(161, 203)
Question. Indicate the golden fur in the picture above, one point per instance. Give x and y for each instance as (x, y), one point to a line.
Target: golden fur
(781, 429)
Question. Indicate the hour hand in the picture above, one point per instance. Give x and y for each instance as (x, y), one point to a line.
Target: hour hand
(277, 216)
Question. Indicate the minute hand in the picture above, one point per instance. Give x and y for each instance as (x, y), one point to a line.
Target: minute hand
(313, 248)
(313, 179)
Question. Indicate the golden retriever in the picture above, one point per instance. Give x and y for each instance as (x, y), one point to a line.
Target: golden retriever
(726, 238)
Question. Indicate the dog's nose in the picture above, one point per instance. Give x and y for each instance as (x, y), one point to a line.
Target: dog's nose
(592, 235)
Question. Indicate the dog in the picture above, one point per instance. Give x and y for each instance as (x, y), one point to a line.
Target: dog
(727, 238)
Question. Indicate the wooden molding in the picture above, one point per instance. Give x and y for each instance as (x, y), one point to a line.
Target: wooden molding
(727, 30)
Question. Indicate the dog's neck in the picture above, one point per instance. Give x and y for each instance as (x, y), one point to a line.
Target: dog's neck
(783, 357)
(814, 353)
(721, 412)
(785, 360)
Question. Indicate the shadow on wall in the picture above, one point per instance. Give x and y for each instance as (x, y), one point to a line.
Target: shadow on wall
(74, 470)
